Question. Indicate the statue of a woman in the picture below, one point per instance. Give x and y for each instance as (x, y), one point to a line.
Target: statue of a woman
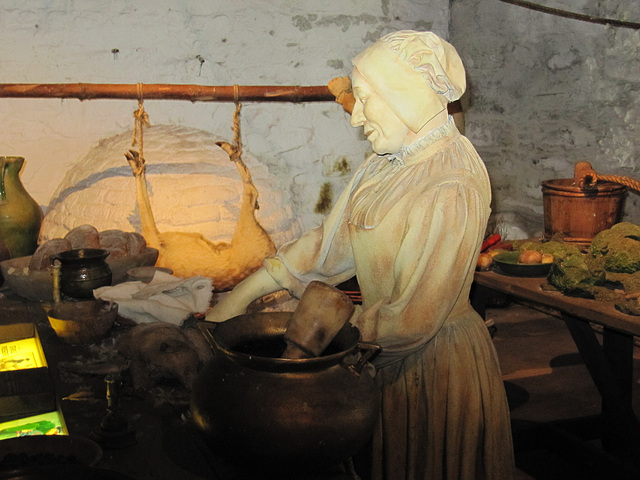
(409, 226)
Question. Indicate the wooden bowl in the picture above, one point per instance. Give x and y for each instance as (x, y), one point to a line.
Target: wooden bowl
(82, 322)
(38, 284)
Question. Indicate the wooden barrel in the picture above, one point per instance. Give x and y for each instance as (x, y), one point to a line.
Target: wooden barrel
(576, 215)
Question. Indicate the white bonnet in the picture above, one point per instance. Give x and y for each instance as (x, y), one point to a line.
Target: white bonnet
(406, 67)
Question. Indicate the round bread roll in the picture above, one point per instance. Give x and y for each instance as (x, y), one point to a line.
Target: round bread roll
(41, 258)
(137, 243)
(83, 236)
(117, 242)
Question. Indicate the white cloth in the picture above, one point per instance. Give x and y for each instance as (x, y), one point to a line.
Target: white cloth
(165, 299)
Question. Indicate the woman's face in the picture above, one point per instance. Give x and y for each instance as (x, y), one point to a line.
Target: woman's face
(383, 128)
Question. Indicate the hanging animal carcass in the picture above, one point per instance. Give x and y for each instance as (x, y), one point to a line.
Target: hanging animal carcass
(191, 254)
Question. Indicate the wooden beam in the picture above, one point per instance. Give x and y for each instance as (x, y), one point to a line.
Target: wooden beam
(193, 93)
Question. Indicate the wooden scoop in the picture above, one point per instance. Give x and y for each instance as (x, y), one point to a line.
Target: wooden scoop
(321, 313)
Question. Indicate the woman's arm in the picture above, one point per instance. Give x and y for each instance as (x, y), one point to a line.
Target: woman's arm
(323, 253)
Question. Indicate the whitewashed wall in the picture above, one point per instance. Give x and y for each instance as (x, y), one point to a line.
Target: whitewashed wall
(209, 42)
(544, 91)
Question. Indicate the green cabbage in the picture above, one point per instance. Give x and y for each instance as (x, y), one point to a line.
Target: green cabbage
(619, 246)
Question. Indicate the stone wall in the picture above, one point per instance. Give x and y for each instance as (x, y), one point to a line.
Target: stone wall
(546, 92)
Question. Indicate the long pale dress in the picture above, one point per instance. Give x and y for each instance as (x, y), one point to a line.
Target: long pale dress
(410, 227)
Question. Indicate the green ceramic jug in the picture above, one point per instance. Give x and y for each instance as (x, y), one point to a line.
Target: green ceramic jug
(20, 214)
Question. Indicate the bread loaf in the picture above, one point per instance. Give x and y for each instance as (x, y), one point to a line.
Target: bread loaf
(41, 258)
(120, 244)
(117, 242)
(84, 236)
(137, 243)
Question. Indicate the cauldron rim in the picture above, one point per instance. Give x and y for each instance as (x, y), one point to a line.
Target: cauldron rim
(271, 324)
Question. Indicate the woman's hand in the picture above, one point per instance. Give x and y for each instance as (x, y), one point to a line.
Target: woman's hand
(236, 302)
(228, 307)
(340, 87)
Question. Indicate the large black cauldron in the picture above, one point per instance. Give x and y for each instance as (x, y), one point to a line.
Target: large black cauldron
(255, 408)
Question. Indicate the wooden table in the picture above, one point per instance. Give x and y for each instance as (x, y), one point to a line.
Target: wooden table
(610, 363)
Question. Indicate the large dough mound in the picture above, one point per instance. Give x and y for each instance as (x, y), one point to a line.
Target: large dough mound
(193, 187)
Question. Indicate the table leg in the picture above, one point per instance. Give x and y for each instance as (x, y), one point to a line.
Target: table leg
(610, 367)
(618, 349)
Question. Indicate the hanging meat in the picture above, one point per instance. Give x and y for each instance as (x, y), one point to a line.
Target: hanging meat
(191, 254)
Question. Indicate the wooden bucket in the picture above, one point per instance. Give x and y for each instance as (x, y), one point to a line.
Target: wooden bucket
(577, 215)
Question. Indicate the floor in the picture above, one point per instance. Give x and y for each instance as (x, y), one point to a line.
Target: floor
(546, 381)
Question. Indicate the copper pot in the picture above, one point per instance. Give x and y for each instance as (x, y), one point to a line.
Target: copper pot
(255, 408)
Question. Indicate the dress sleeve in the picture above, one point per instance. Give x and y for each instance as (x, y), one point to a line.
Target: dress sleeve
(323, 253)
(433, 268)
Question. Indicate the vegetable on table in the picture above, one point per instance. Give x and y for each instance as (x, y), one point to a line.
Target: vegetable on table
(490, 241)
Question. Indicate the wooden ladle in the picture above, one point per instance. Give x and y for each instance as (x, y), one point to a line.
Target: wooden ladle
(322, 311)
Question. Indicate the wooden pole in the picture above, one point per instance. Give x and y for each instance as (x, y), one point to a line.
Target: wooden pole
(193, 93)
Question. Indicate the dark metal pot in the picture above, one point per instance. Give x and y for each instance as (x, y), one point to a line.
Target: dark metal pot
(255, 408)
(83, 270)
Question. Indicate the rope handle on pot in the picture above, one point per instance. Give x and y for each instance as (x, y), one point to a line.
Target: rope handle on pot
(587, 179)
(626, 181)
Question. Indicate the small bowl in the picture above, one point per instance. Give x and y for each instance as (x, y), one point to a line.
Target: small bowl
(145, 274)
(82, 322)
(508, 263)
